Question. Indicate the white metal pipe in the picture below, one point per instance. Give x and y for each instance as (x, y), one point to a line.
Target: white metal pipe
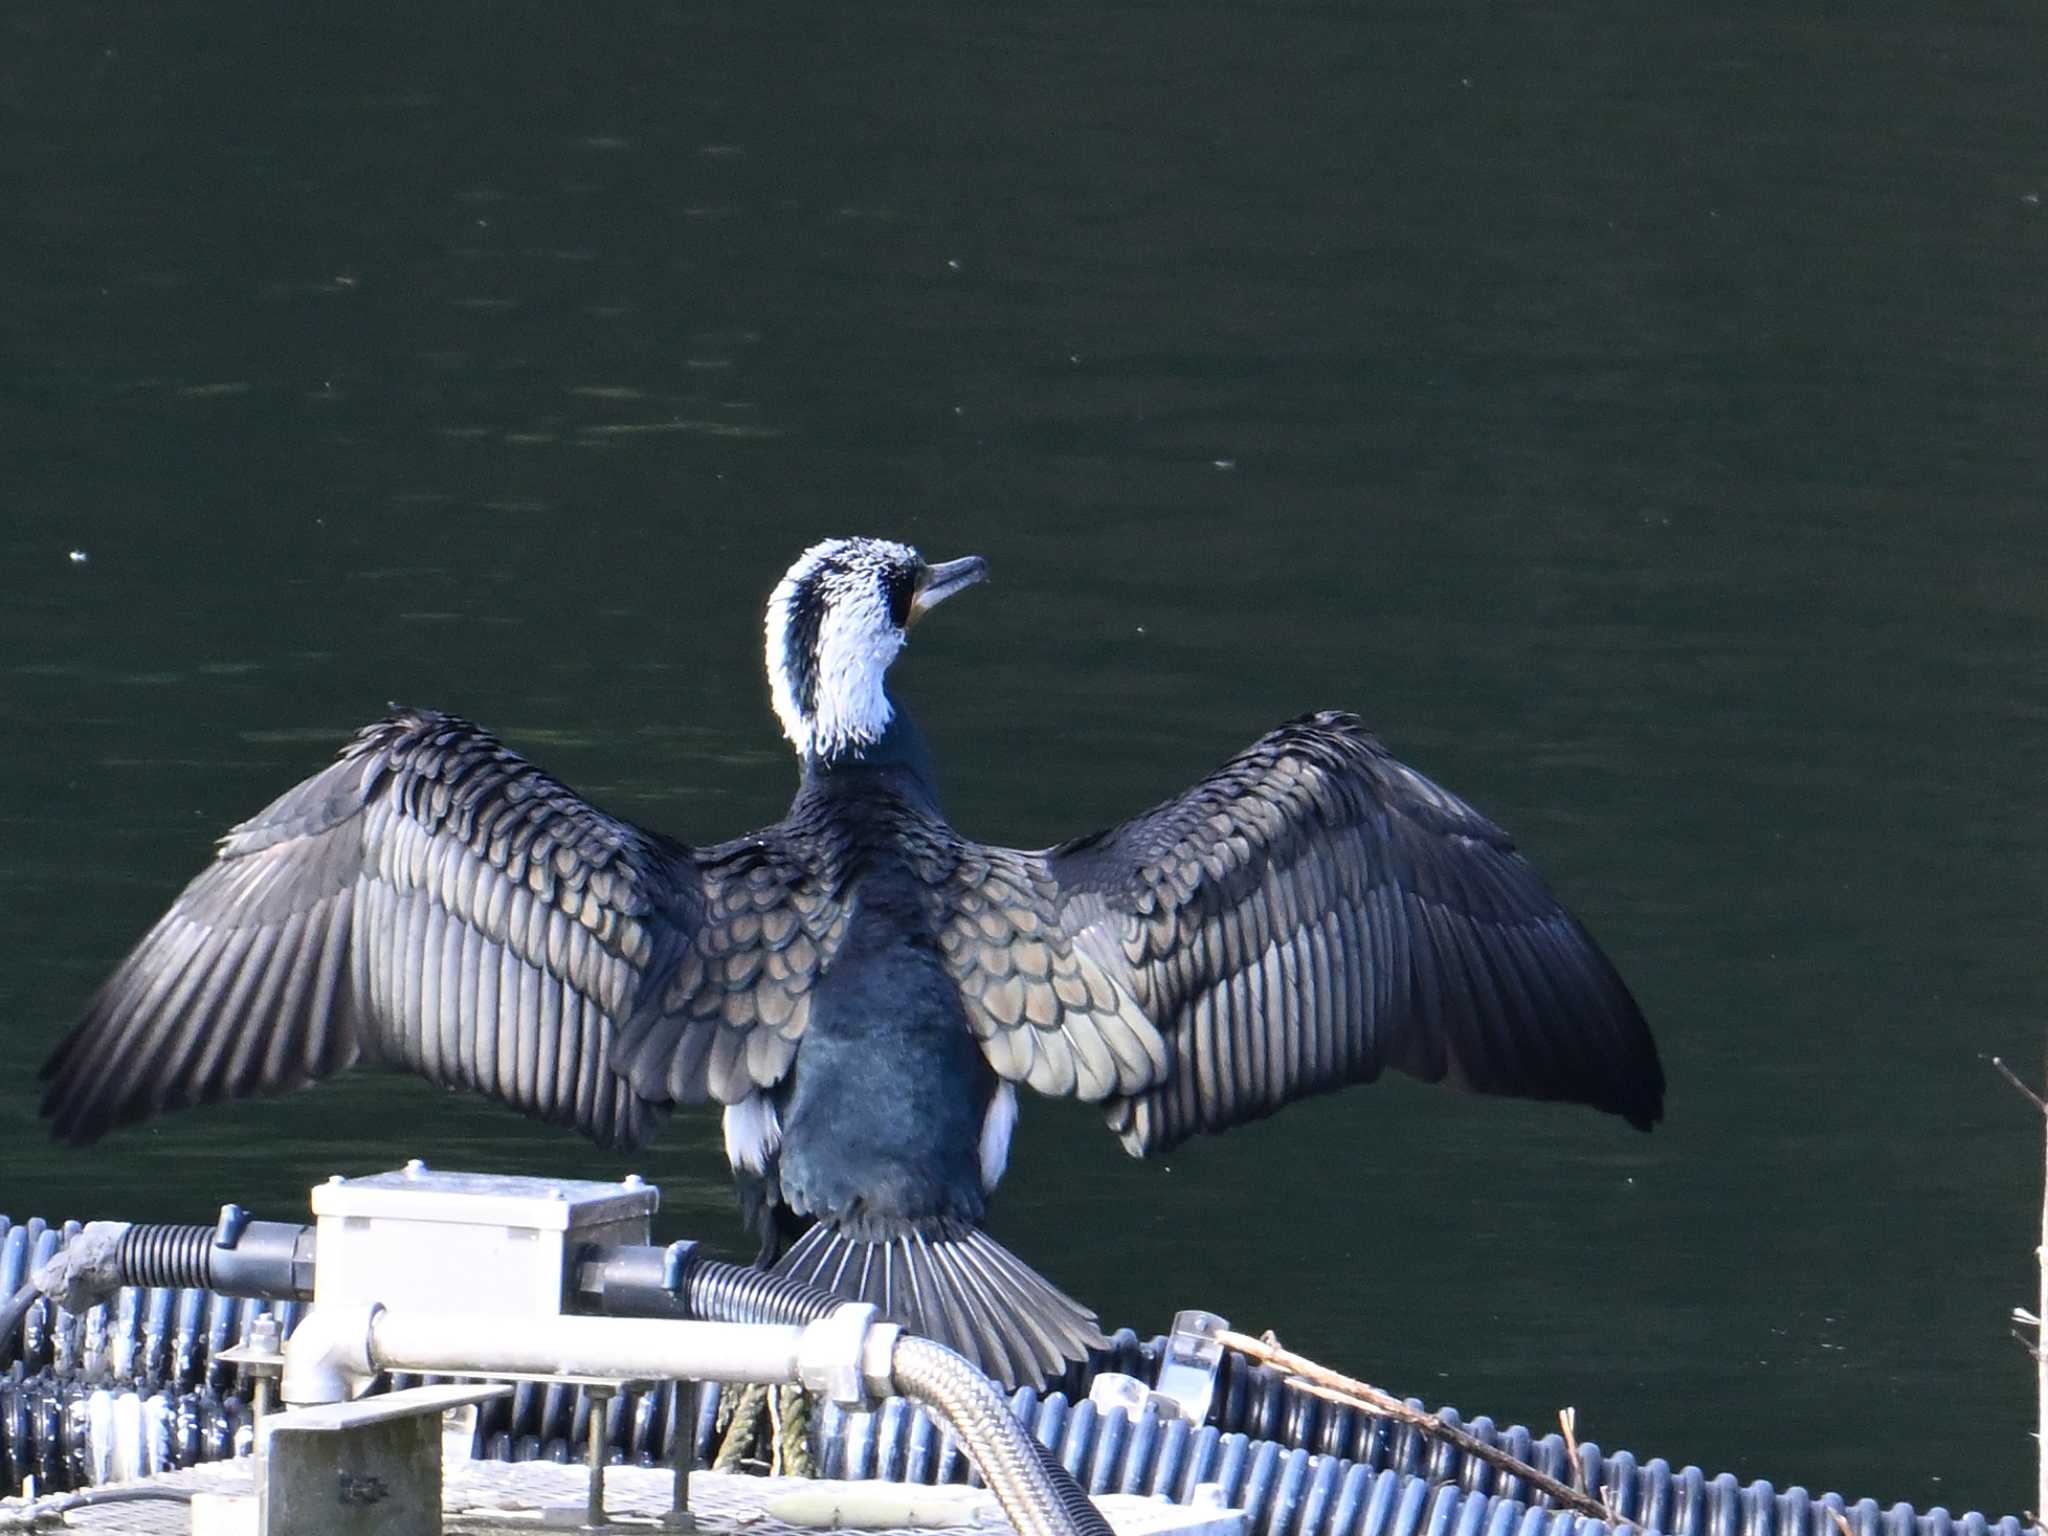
(627, 1348)
(848, 1354)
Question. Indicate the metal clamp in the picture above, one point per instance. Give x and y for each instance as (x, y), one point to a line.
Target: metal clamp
(845, 1355)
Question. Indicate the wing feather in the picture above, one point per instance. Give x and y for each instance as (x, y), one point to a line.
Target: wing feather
(240, 965)
(395, 905)
(331, 965)
(1314, 912)
(291, 981)
(179, 1043)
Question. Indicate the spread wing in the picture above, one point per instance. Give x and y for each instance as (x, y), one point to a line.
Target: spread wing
(435, 902)
(1314, 912)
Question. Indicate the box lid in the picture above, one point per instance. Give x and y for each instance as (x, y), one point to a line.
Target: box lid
(419, 1193)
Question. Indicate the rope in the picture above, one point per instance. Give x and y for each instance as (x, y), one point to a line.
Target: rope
(792, 1416)
(741, 1427)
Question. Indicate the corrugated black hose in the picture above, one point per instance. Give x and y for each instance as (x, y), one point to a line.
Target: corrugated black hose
(11, 1315)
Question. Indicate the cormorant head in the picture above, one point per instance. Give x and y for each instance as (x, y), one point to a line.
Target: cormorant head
(835, 622)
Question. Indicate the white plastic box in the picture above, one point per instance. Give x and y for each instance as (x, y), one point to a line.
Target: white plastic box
(467, 1242)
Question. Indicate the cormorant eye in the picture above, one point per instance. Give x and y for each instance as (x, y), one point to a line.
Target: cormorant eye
(900, 585)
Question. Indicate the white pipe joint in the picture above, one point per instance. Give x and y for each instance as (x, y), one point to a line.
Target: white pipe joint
(328, 1359)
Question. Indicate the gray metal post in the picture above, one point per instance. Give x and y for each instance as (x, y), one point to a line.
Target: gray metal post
(600, 1401)
(682, 1454)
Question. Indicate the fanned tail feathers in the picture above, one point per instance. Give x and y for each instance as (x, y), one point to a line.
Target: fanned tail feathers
(969, 1293)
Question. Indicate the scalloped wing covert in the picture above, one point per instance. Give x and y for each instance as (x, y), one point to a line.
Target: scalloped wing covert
(1046, 1011)
(728, 1020)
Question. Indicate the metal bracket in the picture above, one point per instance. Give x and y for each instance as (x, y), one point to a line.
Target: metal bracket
(369, 1468)
(263, 1358)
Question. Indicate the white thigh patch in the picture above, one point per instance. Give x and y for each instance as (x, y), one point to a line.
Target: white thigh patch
(996, 1126)
(753, 1131)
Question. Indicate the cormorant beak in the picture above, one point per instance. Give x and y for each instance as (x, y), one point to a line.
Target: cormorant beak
(936, 583)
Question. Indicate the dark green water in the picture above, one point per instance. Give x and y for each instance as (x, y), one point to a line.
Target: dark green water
(1637, 417)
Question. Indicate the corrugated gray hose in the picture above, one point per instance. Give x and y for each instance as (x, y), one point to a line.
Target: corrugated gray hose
(1011, 1461)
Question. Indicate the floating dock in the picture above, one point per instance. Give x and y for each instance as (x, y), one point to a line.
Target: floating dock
(492, 1498)
(157, 1382)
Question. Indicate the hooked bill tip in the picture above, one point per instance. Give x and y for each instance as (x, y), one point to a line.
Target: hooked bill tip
(938, 582)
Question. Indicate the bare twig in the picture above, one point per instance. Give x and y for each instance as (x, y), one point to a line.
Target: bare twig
(1568, 1421)
(1841, 1521)
(2038, 1346)
(1323, 1382)
(2012, 1077)
(2040, 1311)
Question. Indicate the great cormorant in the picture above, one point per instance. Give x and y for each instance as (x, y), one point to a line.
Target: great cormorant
(860, 986)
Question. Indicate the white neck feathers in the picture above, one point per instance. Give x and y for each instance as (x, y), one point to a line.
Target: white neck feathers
(830, 639)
